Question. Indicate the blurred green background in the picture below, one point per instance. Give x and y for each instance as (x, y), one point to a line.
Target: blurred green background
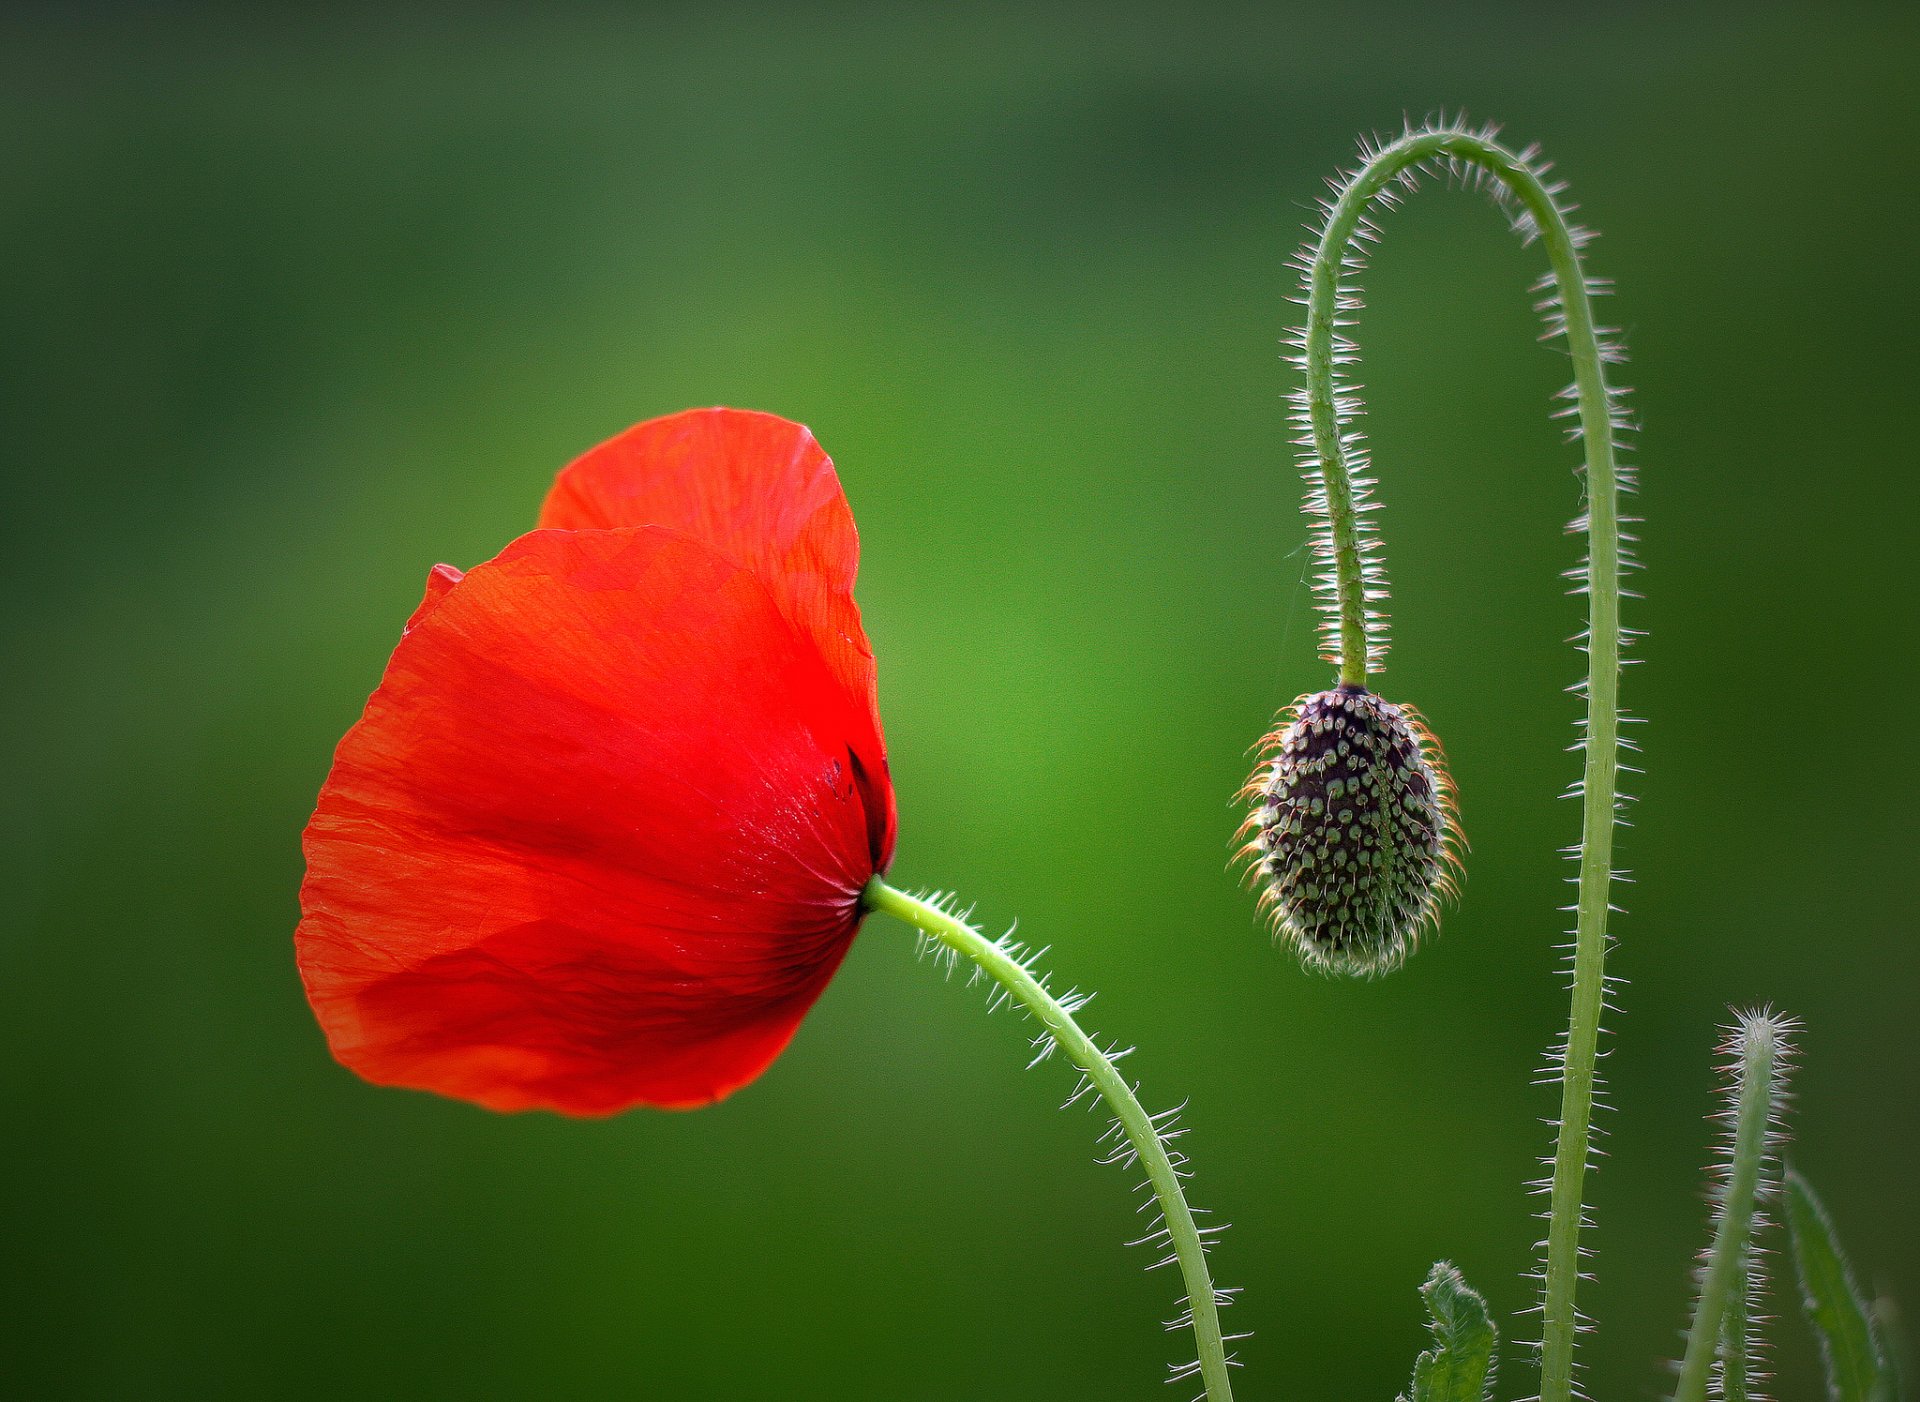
(295, 308)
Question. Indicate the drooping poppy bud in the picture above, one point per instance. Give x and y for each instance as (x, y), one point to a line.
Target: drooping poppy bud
(1350, 838)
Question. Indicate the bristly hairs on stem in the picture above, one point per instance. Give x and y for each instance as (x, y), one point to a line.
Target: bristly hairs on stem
(1723, 1344)
(1133, 1138)
(1353, 587)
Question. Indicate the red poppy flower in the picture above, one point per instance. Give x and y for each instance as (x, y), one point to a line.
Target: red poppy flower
(600, 837)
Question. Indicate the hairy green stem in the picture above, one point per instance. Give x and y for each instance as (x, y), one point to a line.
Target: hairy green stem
(1723, 1284)
(1736, 1339)
(1598, 790)
(1012, 975)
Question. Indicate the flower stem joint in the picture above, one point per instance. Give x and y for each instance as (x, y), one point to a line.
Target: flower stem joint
(1351, 834)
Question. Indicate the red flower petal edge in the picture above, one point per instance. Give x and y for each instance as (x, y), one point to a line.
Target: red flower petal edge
(600, 836)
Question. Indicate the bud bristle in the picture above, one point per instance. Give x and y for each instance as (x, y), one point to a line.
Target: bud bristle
(1352, 834)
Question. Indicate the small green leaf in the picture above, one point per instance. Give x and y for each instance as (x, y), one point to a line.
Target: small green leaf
(1858, 1368)
(1459, 1368)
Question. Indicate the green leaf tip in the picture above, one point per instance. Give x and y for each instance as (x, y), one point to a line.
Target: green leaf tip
(1459, 1367)
(1859, 1367)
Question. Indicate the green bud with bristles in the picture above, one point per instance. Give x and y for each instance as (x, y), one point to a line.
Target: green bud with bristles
(1350, 838)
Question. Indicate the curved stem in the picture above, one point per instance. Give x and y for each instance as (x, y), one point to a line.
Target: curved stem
(1326, 410)
(1013, 975)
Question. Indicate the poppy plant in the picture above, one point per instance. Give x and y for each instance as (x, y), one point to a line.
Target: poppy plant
(621, 802)
(612, 818)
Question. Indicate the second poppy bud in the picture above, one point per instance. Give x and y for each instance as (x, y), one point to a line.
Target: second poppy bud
(1351, 831)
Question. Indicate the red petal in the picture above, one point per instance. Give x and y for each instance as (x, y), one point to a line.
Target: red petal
(599, 838)
(758, 489)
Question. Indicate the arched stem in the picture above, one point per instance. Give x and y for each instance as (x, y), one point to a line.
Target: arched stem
(1327, 407)
(1142, 1132)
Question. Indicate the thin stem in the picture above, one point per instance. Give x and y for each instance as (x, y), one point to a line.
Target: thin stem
(1757, 1097)
(1328, 406)
(1138, 1126)
(1736, 1337)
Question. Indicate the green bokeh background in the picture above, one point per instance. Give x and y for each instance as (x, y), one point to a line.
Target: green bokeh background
(295, 308)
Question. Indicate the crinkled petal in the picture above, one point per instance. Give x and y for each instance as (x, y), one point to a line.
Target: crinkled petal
(759, 490)
(598, 839)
